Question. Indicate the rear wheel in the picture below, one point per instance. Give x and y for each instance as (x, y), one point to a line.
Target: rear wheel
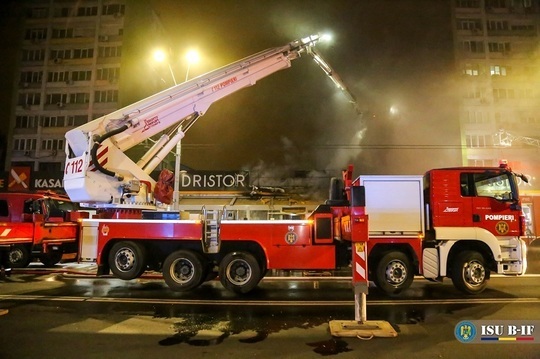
(19, 256)
(239, 272)
(469, 272)
(184, 270)
(393, 273)
(127, 260)
(51, 258)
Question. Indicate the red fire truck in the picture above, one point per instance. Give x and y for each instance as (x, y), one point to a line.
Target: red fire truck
(41, 225)
(462, 229)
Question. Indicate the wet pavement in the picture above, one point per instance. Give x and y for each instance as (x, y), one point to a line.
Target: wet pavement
(69, 313)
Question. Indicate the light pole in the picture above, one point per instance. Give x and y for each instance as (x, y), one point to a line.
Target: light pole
(160, 56)
(191, 57)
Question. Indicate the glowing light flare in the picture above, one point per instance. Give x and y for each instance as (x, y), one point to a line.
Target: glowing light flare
(192, 57)
(159, 55)
(326, 37)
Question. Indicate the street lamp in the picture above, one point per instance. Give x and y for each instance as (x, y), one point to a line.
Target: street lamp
(192, 57)
(160, 56)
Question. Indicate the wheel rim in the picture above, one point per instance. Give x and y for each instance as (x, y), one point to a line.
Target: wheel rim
(238, 272)
(474, 273)
(396, 272)
(182, 270)
(124, 259)
(15, 256)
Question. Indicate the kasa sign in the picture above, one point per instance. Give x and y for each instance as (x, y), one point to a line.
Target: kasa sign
(23, 179)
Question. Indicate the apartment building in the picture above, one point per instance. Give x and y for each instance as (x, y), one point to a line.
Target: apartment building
(68, 75)
(497, 49)
(70, 66)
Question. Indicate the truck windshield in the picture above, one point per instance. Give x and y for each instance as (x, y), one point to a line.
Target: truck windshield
(495, 185)
(57, 207)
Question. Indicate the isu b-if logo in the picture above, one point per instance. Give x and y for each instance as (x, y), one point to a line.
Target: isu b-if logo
(502, 228)
(465, 331)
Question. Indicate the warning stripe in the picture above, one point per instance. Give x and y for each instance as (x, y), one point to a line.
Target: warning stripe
(102, 158)
(5, 232)
(359, 262)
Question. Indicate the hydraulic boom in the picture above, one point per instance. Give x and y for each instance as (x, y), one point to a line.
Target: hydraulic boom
(98, 171)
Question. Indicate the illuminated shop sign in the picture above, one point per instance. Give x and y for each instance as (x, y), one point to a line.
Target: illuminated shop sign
(214, 181)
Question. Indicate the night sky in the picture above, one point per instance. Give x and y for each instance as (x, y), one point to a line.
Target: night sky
(389, 53)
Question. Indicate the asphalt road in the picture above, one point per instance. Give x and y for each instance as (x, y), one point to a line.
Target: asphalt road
(67, 315)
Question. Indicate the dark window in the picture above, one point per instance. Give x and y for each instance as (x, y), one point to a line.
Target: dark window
(4, 210)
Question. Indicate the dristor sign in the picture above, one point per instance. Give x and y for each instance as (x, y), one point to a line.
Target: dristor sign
(214, 181)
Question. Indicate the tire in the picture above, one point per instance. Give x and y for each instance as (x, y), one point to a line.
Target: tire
(19, 256)
(51, 258)
(393, 273)
(469, 272)
(184, 270)
(127, 260)
(239, 272)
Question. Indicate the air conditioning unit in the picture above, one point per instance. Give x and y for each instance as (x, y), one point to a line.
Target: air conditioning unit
(118, 14)
(58, 60)
(69, 82)
(60, 104)
(103, 38)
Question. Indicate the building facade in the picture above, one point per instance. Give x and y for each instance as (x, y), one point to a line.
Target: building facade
(73, 55)
(69, 70)
(497, 50)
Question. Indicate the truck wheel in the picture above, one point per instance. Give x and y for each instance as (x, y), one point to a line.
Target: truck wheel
(239, 272)
(19, 256)
(184, 270)
(393, 273)
(51, 258)
(469, 272)
(127, 260)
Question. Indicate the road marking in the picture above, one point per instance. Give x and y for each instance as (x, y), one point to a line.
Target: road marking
(141, 324)
(467, 301)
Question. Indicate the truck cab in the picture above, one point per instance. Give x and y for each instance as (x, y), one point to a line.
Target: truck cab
(475, 197)
(462, 223)
(38, 226)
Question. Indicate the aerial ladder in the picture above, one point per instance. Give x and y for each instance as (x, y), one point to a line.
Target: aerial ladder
(99, 173)
(505, 139)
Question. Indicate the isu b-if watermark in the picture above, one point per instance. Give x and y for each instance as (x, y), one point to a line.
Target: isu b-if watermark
(498, 331)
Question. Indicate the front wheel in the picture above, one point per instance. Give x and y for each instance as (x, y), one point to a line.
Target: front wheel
(469, 272)
(127, 260)
(239, 272)
(19, 256)
(394, 273)
(184, 270)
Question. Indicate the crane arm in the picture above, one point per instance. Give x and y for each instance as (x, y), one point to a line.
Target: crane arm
(98, 171)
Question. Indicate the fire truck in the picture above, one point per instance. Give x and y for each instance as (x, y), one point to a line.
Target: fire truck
(127, 236)
(40, 225)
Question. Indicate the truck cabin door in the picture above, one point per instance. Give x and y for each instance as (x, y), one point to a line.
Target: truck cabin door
(493, 197)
